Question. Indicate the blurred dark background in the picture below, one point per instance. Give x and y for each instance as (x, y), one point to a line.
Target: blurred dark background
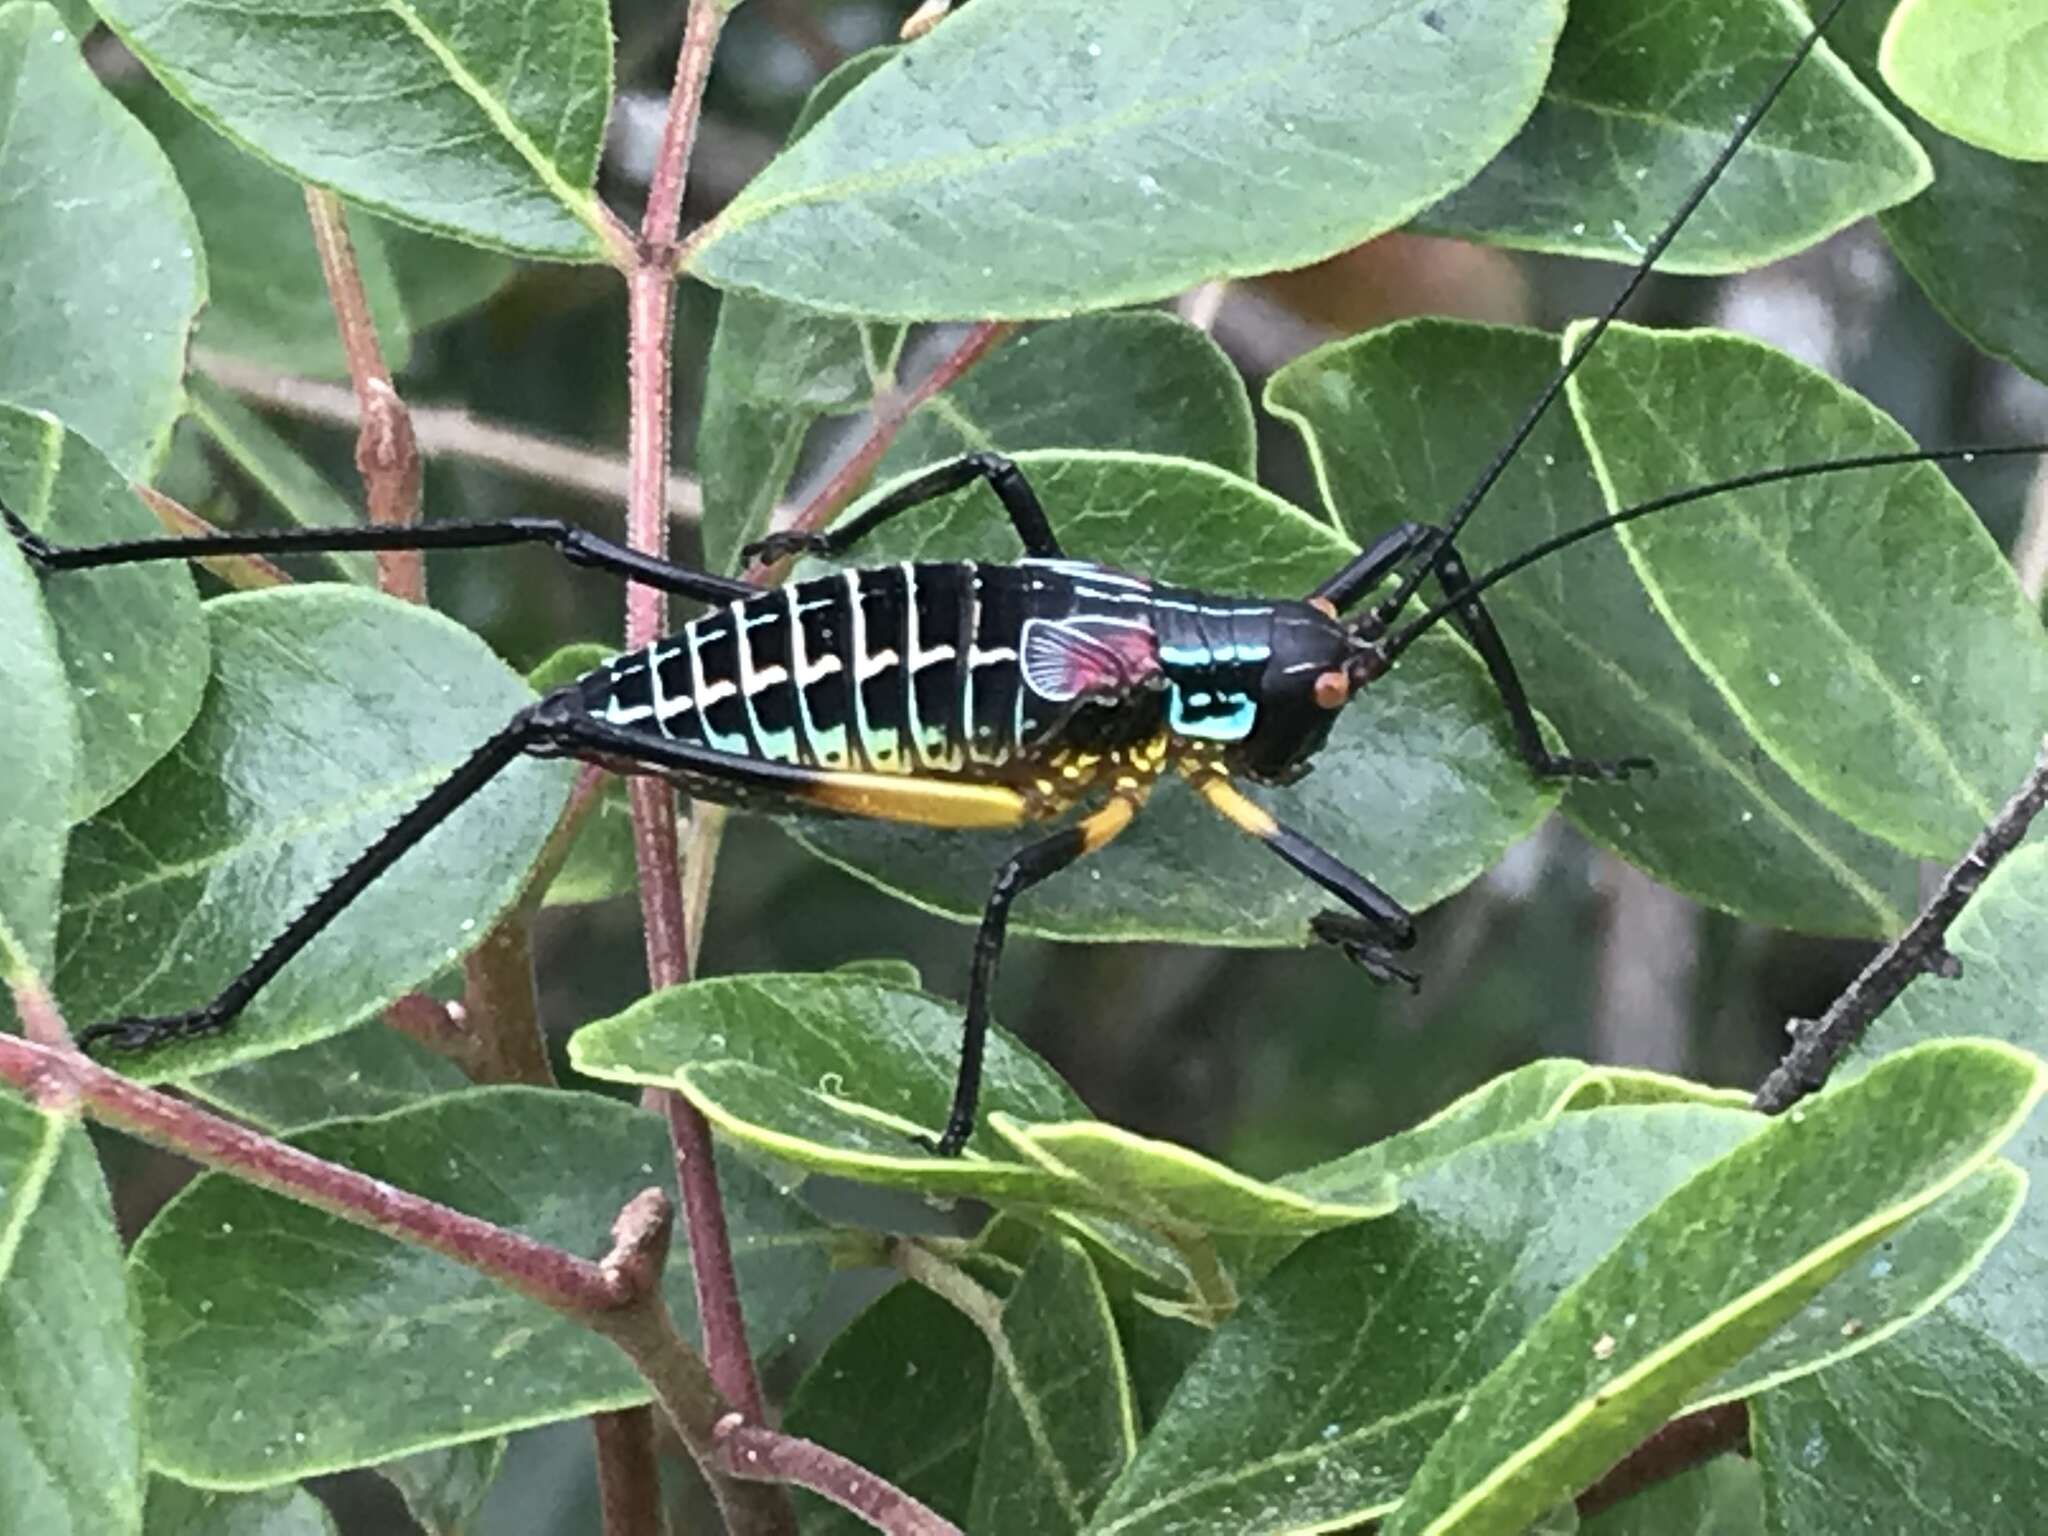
(1270, 1059)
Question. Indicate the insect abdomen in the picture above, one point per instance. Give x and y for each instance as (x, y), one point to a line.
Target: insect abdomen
(906, 669)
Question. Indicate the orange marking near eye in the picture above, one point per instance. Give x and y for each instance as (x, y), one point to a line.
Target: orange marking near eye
(1333, 689)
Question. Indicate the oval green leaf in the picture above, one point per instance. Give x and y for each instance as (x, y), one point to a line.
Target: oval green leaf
(267, 1324)
(1029, 159)
(133, 639)
(38, 757)
(104, 271)
(484, 122)
(1418, 788)
(1633, 116)
(331, 712)
(1865, 627)
(71, 1423)
(1975, 68)
(1791, 1208)
(1396, 423)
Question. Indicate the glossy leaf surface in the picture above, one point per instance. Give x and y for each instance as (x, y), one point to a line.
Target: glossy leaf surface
(1625, 1346)
(103, 270)
(132, 638)
(1632, 116)
(267, 1324)
(38, 757)
(1975, 68)
(482, 122)
(1870, 635)
(1035, 159)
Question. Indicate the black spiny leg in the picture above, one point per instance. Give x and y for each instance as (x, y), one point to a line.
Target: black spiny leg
(1026, 868)
(1382, 557)
(1003, 477)
(1375, 930)
(579, 546)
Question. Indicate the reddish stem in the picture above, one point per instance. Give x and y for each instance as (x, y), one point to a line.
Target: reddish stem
(54, 1075)
(386, 455)
(650, 320)
(1682, 1444)
(755, 1451)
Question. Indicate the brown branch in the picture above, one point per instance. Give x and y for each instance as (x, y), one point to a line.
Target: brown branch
(755, 1451)
(451, 432)
(1818, 1045)
(386, 456)
(1679, 1446)
(628, 1476)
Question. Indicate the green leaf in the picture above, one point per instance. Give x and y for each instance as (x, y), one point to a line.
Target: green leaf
(38, 758)
(1722, 1497)
(444, 1489)
(1037, 158)
(1316, 1401)
(300, 491)
(483, 123)
(1430, 738)
(331, 712)
(269, 301)
(1943, 1420)
(1977, 240)
(1061, 1421)
(840, 1070)
(935, 1368)
(104, 271)
(1626, 1345)
(1975, 68)
(370, 1070)
(1144, 382)
(133, 640)
(837, 1073)
(1528, 1096)
(1396, 422)
(1633, 116)
(1865, 628)
(176, 1510)
(70, 1425)
(268, 1324)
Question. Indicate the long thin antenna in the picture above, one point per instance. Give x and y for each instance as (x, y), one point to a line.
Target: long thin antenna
(1396, 600)
(1408, 633)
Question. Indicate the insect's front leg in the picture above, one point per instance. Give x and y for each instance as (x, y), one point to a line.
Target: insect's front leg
(1372, 933)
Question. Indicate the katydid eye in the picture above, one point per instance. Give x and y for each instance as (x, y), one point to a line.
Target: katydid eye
(1333, 688)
